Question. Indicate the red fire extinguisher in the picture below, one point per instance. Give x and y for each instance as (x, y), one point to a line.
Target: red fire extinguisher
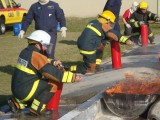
(54, 102)
(116, 55)
(144, 35)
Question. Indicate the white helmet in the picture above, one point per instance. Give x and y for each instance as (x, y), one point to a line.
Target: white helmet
(40, 36)
(134, 5)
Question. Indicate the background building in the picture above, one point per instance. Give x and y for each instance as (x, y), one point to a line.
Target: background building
(91, 8)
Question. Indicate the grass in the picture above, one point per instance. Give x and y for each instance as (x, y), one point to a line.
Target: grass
(66, 50)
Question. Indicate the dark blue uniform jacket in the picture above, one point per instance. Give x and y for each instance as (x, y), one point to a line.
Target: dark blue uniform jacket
(45, 17)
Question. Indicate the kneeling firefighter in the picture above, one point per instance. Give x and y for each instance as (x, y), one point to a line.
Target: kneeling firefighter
(35, 77)
(90, 42)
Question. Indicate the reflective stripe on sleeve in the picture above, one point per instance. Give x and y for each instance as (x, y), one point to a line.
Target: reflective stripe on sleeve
(123, 39)
(73, 68)
(67, 77)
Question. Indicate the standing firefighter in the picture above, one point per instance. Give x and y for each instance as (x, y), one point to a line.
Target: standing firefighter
(35, 78)
(142, 16)
(46, 14)
(91, 39)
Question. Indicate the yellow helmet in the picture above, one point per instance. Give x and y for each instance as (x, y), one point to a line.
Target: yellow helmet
(143, 5)
(108, 15)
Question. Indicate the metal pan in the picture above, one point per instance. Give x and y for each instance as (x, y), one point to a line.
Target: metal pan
(128, 106)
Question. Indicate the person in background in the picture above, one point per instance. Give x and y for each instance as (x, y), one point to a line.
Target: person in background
(126, 18)
(91, 39)
(46, 15)
(142, 16)
(35, 77)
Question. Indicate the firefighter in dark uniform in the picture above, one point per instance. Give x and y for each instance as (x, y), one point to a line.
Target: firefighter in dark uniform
(35, 77)
(142, 16)
(91, 39)
(113, 6)
(46, 15)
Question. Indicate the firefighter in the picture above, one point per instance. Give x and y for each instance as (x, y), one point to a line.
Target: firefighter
(142, 16)
(126, 18)
(46, 15)
(35, 77)
(114, 6)
(91, 39)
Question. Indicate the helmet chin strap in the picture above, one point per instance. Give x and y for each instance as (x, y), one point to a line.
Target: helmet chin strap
(43, 2)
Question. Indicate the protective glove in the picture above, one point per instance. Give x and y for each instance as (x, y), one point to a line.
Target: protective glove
(21, 34)
(141, 23)
(63, 31)
(128, 25)
(57, 63)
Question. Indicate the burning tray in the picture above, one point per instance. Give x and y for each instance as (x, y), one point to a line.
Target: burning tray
(130, 98)
(128, 105)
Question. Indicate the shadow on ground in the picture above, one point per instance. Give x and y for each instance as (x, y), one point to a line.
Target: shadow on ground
(7, 69)
(69, 42)
(3, 99)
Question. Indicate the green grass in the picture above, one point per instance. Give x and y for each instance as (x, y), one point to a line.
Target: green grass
(66, 50)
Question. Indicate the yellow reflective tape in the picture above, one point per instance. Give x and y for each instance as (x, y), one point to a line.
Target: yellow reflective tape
(34, 87)
(21, 105)
(136, 24)
(98, 61)
(36, 102)
(123, 39)
(67, 77)
(49, 60)
(132, 20)
(70, 75)
(64, 79)
(150, 35)
(24, 69)
(34, 107)
(94, 29)
(87, 52)
(43, 107)
(73, 68)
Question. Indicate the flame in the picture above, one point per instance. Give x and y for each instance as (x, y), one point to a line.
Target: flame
(132, 85)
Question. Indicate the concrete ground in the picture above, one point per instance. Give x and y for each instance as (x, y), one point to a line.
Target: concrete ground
(141, 61)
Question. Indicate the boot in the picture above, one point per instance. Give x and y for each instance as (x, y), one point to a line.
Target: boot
(152, 42)
(99, 68)
(15, 104)
(91, 68)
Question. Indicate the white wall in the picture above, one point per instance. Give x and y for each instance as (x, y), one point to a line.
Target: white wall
(90, 8)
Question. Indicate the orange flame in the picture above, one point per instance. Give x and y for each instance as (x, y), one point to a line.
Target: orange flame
(132, 85)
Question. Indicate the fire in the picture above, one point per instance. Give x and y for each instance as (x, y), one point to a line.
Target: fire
(132, 85)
